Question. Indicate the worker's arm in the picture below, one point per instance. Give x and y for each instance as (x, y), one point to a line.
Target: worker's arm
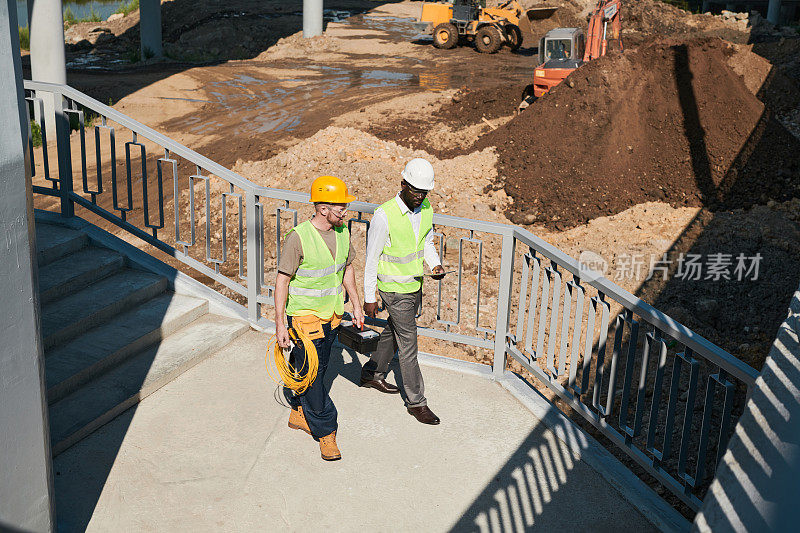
(376, 240)
(432, 257)
(349, 283)
(281, 294)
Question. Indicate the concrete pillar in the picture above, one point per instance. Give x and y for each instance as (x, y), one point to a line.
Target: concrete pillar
(48, 63)
(312, 18)
(26, 481)
(150, 28)
(774, 11)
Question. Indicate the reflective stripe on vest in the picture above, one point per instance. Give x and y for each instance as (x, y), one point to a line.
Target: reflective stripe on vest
(402, 260)
(400, 264)
(316, 287)
(316, 293)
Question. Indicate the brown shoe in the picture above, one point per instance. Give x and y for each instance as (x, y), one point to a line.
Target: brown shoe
(424, 415)
(381, 385)
(297, 420)
(328, 448)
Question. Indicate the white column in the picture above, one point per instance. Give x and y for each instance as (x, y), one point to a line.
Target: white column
(26, 481)
(774, 11)
(150, 28)
(48, 62)
(312, 18)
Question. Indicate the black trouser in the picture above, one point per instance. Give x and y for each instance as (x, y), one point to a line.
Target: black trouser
(318, 408)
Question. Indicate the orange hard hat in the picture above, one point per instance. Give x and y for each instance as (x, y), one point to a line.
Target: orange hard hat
(330, 190)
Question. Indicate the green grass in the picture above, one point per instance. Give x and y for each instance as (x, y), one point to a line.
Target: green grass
(36, 133)
(70, 18)
(24, 38)
(128, 7)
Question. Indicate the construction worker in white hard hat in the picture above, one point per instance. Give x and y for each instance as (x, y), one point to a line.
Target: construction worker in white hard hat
(313, 271)
(399, 239)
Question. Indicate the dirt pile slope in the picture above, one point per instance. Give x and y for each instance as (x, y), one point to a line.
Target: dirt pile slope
(670, 121)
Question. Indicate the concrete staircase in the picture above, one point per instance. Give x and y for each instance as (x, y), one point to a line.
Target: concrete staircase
(112, 334)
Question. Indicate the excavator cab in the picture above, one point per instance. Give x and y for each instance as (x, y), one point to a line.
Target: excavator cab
(560, 52)
(562, 48)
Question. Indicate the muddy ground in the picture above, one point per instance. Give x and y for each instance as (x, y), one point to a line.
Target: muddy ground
(681, 146)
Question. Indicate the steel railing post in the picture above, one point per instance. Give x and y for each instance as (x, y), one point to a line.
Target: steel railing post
(503, 304)
(253, 246)
(64, 152)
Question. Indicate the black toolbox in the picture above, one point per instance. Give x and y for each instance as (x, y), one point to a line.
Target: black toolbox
(363, 341)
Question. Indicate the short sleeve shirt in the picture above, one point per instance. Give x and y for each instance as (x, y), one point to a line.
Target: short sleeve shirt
(292, 250)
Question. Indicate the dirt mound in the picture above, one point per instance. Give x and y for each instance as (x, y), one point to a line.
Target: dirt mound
(669, 121)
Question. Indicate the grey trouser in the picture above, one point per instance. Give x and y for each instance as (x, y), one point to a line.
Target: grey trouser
(399, 336)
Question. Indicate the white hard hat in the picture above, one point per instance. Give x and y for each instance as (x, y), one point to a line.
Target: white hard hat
(419, 173)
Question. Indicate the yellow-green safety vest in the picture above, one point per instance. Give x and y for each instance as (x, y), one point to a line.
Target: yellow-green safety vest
(316, 288)
(400, 263)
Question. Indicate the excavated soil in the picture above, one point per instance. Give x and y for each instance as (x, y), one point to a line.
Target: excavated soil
(670, 121)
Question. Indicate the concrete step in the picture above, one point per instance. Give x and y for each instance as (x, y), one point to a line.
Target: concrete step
(100, 349)
(102, 399)
(54, 242)
(81, 311)
(75, 271)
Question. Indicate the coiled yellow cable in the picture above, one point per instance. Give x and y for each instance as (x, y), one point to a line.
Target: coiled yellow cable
(292, 378)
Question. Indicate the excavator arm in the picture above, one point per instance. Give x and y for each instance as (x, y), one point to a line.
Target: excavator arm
(604, 24)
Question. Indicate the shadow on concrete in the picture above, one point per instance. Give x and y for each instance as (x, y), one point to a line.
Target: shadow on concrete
(546, 474)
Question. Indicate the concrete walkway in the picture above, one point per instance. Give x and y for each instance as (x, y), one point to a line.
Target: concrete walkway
(211, 451)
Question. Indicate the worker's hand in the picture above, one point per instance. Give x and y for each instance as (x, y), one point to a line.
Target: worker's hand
(437, 272)
(371, 309)
(358, 318)
(282, 336)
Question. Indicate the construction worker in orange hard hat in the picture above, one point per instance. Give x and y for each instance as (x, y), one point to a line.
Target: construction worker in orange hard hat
(314, 271)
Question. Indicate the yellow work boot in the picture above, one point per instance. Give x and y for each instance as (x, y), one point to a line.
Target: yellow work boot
(297, 420)
(328, 448)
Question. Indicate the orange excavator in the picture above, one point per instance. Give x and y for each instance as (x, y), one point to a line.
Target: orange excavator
(563, 50)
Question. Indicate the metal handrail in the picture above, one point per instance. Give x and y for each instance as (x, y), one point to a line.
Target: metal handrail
(678, 331)
(499, 338)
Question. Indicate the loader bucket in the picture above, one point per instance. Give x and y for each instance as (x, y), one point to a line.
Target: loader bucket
(540, 13)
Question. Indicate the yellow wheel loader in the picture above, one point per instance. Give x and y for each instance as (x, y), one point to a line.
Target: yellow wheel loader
(463, 21)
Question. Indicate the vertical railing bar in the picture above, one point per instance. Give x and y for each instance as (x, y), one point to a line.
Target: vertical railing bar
(460, 278)
(64, 152)
(630, 365)
(672, 407)
(591, 316)
(523, 294)
(555, 306)
(688, 416)
(240, 234)
(656, 401)
(261, 255)
(601, 353)
(543, 305)
(705, 429)
(208, 218)
(565, 314)
(253, 285)
(727, 407)
(532, 305)
(641, 397)
(574, 359)
(478, 295)
(506, 283)
(612, 371)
